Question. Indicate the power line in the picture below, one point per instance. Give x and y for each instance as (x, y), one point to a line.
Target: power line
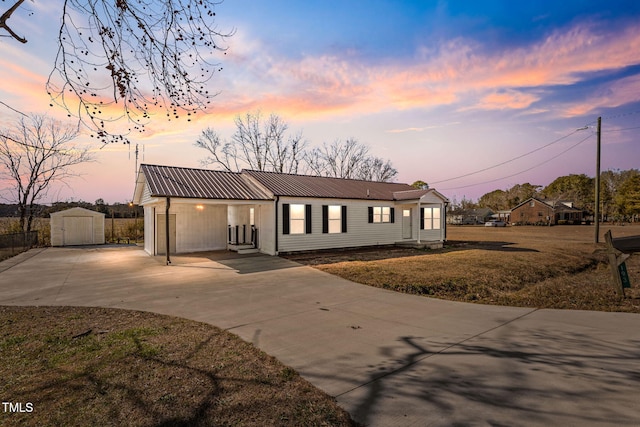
(620, 130)
(521, 172)
(507, 161)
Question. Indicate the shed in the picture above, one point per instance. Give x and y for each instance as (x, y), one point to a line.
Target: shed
(77, 226)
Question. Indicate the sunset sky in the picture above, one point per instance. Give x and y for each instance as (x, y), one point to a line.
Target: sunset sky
(446, 90)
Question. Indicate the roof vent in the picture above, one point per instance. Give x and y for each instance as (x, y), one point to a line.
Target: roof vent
(367, 192)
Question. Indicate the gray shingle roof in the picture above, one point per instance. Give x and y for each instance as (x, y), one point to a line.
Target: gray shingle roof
(169, 181)
(322, 187)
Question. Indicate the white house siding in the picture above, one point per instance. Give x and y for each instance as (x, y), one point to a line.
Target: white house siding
(266, 222)
(146, 195)
(149, 230)
(199, 227)
(359, 231)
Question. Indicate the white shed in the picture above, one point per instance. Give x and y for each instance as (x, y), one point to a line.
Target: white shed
(77, 226)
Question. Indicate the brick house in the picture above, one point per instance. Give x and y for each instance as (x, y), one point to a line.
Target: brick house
(545, 212)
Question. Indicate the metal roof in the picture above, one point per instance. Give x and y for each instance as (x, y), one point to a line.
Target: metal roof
(323, 187)
(409, 194)
(169, 181)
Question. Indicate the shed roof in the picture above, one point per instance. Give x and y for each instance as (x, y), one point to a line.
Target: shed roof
(291, 185)
(77, 211)
(170, 181)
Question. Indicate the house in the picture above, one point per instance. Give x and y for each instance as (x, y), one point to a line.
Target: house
(275, 213)
(545, 212)
(77, 226)
(470, 216)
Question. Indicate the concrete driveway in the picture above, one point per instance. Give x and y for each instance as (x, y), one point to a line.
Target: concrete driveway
(389, 359)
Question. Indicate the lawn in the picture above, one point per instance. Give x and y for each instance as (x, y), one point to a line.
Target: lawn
(544, 267)
(69, 366)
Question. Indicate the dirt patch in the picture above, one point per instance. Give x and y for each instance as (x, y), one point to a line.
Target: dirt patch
(92, 366)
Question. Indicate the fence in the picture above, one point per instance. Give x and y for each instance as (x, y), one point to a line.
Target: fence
(12, 244)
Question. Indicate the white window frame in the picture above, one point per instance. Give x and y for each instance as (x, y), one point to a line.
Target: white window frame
(335, 219)
(381, 214)
(297, 224)
(432, 218)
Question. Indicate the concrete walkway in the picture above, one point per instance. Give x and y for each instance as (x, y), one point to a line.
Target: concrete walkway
(390, 359)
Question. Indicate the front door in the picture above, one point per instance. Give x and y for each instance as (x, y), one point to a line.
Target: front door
(406, 223)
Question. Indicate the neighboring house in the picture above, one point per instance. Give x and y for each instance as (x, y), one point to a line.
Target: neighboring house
(470, 216)
(538, 212)
(275, 213)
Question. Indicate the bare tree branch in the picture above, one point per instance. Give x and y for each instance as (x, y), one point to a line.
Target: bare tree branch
(129, 60)
(349, 159)
(256, 145)
(35, 153)
(5, 17)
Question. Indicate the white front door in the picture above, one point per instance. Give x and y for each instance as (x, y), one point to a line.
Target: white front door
(406, 223)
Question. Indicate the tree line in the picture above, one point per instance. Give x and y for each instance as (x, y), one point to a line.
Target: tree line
(619, 194)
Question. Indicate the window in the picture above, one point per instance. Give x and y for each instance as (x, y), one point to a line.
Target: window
(334, 219)
(381, 214)
(296, 219)
(252, 216)
(430, 219)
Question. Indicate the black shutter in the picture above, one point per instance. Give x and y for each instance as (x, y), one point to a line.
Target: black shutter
(421, 218)
(344, 219)
(393, 215)
(370, 214)
(325, 218)
(307, 218)
(285, 218)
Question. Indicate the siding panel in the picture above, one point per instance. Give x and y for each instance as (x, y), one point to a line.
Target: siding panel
(359, 231)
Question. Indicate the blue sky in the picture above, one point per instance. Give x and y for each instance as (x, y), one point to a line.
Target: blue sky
(442, 89)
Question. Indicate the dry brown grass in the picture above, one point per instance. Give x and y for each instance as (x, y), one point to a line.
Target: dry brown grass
(105, 367)
(546, 267)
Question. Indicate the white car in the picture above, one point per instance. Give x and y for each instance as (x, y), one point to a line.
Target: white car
(495, 224)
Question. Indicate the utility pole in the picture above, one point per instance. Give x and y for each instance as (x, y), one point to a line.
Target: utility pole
(597, 207)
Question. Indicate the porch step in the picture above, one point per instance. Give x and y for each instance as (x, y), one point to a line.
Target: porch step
(242, 249)
(251, 250)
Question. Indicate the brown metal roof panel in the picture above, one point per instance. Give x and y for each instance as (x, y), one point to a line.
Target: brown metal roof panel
(325, 187)
(168, 181)
(409, 194)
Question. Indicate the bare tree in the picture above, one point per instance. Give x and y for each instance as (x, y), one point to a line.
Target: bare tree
(128, 59)
(256, 144)
(349, 159)
(35, 153)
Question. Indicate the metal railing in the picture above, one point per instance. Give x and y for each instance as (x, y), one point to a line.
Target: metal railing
(13, 244)
(237, 235)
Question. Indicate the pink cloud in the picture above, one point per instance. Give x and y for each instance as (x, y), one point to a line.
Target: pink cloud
(458, 71)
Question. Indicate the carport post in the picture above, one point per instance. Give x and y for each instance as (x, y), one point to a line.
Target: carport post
(166, 223)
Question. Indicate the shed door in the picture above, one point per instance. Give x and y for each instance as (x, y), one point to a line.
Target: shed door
(406, 223)
(161, 234)
(77, 230)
